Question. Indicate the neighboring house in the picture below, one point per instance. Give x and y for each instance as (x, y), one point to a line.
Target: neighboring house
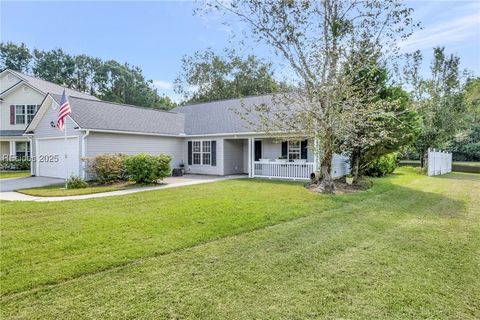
(207, 138)
(20, 97)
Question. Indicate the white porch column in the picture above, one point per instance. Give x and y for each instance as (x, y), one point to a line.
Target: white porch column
(250, 164)
(12, 149)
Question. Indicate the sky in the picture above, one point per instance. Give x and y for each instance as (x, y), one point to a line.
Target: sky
(154, 35)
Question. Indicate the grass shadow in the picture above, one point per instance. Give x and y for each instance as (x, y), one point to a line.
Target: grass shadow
(459, 176)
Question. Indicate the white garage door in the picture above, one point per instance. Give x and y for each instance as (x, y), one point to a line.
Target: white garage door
(51, 157)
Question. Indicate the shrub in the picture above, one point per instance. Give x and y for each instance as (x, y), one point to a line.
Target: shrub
(107, 168)
(19, 164)
(382, 166)
(76, 182)
(144, 168)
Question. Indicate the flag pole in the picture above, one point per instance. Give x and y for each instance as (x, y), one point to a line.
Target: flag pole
(66, 144)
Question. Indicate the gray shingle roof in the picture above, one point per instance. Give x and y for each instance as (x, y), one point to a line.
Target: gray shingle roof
(102, 115)
(220, 116)
(49, 87)
(10, 133)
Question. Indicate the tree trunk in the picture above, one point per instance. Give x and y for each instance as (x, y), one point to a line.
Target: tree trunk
(424, 159)
(326, 184)
(356, 165)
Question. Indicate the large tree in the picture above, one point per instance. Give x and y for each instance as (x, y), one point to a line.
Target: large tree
(316, 39)
(466, 144)
(15, 57)
(207, 76)
(381, 122)
(438, 99)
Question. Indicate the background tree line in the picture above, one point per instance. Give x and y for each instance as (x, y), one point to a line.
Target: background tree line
(108, 80)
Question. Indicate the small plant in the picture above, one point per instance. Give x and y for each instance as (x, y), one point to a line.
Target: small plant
(145, 168)
(76, 182)
(349, 178)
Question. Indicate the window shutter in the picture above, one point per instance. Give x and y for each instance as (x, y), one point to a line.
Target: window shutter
(303, 149)
(214, 153)
(189, 153)
(284, 149)
(12, 114)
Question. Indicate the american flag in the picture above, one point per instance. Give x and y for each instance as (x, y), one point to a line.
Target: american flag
(64, 111)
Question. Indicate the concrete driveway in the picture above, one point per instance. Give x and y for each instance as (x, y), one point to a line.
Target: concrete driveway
(28, 182)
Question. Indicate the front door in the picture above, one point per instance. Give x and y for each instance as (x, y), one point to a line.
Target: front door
(258, 150)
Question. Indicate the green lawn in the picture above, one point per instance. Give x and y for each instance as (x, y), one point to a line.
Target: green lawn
(60, 191)
(14, 174)
(407, 248)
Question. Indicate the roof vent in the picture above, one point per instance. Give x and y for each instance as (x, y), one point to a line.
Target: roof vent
(9, 77)
(26, 89)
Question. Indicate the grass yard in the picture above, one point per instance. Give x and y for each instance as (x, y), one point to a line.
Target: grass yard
(14, 174)
(242, 249)
(61, 191)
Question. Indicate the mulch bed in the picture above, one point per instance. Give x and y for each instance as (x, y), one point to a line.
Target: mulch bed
(341, 186)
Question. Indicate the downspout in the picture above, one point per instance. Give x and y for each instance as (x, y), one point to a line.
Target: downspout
(30, 138)
(84, 141)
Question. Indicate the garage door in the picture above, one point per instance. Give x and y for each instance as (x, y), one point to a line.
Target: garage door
(51, 157)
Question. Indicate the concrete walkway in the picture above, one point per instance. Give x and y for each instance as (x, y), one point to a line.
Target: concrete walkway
(170, 182)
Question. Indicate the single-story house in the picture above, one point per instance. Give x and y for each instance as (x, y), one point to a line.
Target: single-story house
(206, 138)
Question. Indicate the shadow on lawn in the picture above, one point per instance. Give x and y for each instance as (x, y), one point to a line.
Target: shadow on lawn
(460, 176)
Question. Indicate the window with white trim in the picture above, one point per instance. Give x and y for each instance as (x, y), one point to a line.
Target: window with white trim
(20, 114)
(196, 152)
(24, 113)
(31, 110)
(202, 152)
(294, 150)
(22, 149)
(206, 152)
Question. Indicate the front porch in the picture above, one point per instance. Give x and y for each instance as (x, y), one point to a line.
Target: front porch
(275, 159)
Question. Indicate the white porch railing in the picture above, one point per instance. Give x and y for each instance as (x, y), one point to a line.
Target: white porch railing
(288, 170)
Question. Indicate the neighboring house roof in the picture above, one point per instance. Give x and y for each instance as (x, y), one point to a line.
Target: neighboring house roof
(44, 86)
(102, 115)
(221, 116)
(10, 133)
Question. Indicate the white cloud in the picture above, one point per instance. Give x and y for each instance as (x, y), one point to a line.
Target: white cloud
(163, 85)
(445, 32)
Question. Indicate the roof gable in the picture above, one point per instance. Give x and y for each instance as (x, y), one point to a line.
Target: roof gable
(42, 86)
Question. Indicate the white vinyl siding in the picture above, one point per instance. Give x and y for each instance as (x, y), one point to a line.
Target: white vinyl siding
(235, 155)
(115, 143)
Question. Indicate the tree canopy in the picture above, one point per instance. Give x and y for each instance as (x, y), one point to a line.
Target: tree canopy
(207, 76)
(438, 99)
(107, 80)
(316, 39)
